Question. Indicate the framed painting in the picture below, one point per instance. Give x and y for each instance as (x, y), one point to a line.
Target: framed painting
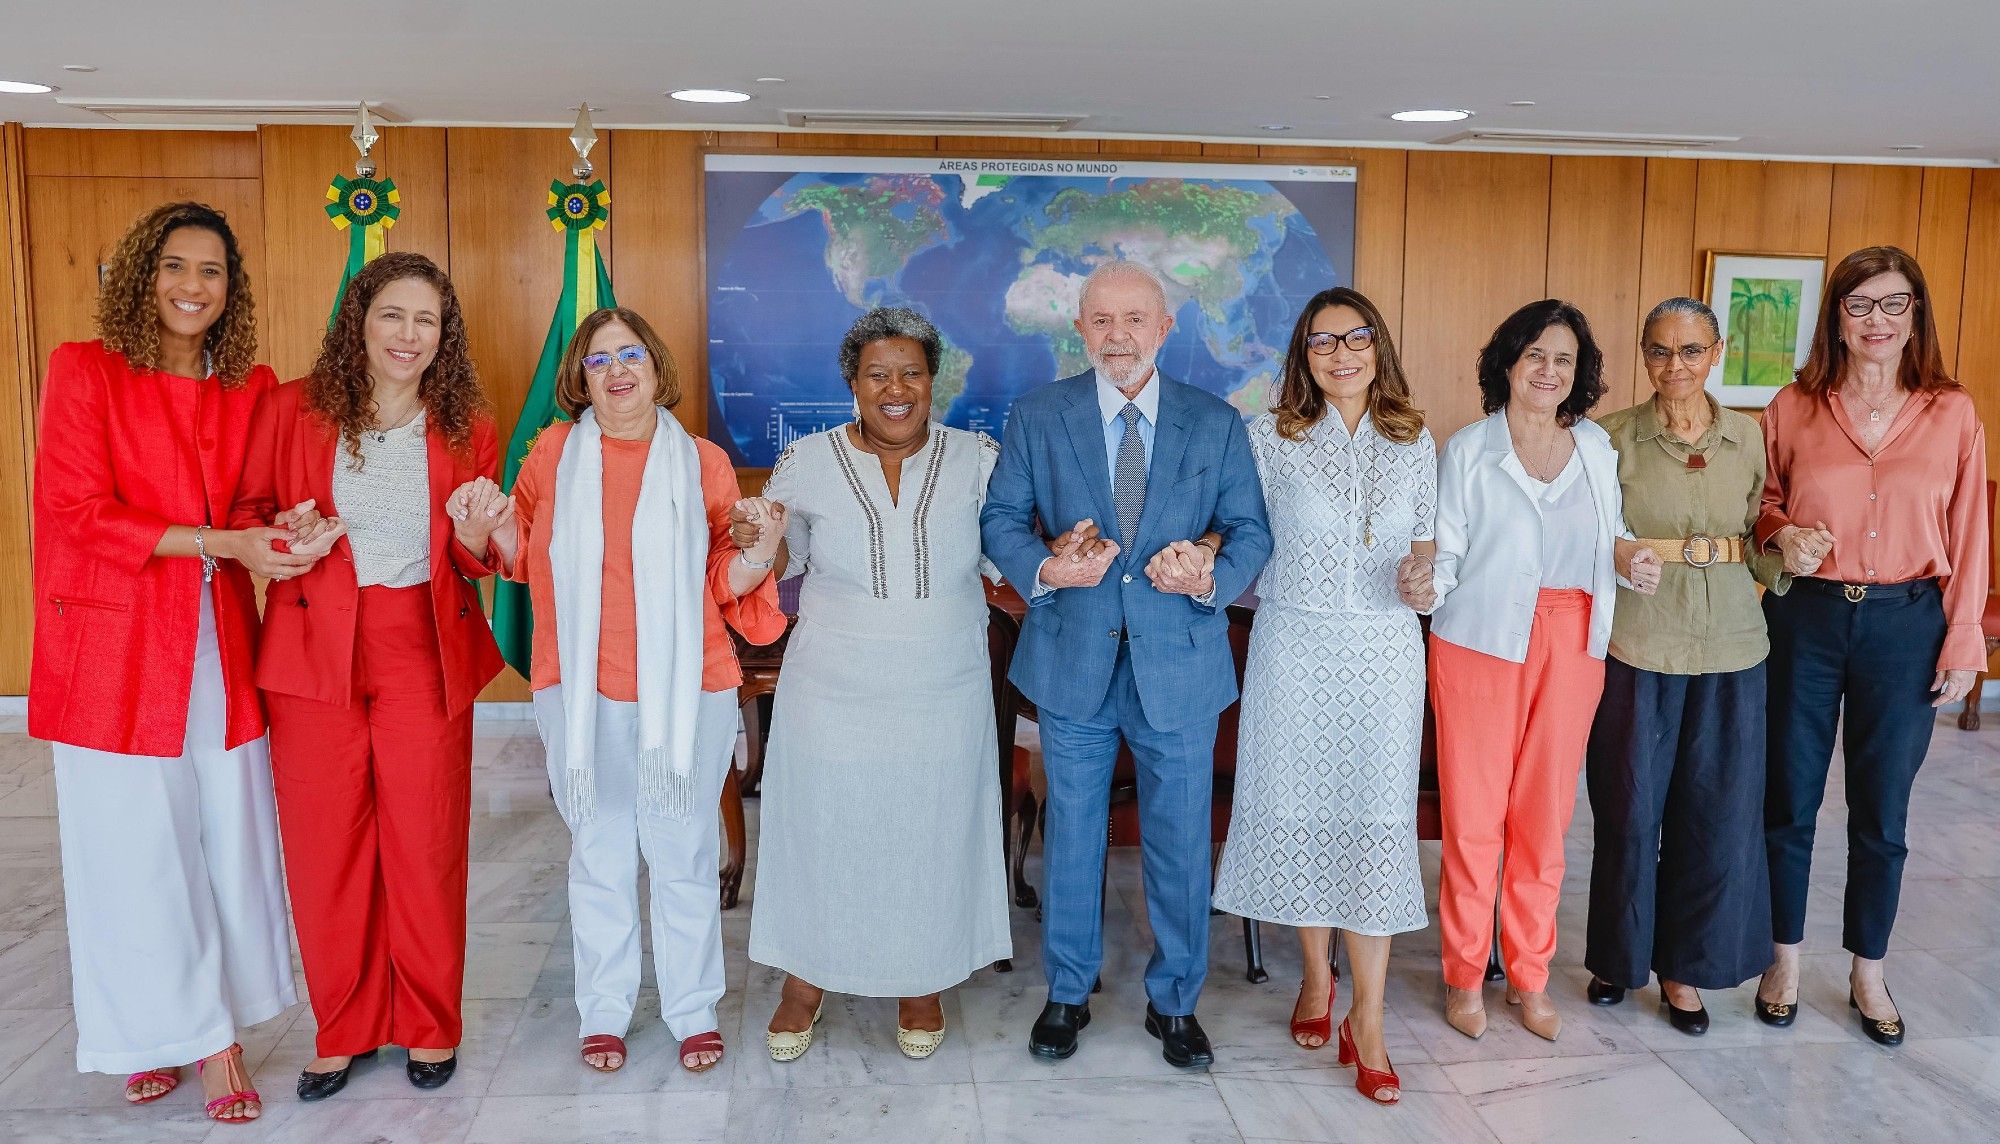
(1767, 305)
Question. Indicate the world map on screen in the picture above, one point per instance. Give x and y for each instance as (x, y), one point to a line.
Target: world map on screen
(994, 253)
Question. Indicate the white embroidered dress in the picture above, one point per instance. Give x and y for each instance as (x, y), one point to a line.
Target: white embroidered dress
(1324, 827)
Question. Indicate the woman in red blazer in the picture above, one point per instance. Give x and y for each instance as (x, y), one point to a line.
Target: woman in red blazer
(144, 621)
(370, 662)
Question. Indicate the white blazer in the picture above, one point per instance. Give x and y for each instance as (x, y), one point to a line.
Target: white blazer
(1489, 539)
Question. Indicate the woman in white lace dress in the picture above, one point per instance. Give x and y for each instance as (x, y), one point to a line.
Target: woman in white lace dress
(1324, 831)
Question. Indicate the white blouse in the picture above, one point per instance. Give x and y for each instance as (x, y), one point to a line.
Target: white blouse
(386, 506)
(1569, 529)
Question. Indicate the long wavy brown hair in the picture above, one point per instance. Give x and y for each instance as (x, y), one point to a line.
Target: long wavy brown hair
(339, 389)
(1301, 404)
(1922, 366)
(128, 318)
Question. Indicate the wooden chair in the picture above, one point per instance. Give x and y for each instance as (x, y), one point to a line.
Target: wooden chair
(760, 680)
(1989, 623)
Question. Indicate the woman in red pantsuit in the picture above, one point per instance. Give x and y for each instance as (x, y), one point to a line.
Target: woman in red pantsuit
(370, 662)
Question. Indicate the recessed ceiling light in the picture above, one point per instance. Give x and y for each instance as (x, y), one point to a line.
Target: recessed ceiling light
(1431, 116)
(1274, 127)
(1322, 97)
(79, 67)
(708, 95)
(1906, 146)
(770, 79)
(1522, 103)
(23, 87)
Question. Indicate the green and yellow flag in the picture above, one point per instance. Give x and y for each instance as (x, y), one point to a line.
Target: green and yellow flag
(365, 208)
(577, 212)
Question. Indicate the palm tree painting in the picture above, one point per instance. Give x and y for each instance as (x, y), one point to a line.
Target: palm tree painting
(1763, 331)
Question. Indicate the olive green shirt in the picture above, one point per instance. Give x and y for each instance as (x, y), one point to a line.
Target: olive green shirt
(1702, 620)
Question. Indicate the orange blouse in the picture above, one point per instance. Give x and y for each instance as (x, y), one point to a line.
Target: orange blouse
(1915, 509)
(756, 615)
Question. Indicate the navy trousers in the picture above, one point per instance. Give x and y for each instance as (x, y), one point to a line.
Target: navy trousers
(1875, 659)
(1176, 771)
(1678, 881)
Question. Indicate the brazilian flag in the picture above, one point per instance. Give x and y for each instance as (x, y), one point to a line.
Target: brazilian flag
(577, 212)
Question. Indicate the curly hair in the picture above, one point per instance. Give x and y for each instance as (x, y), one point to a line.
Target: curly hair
(339, 389)
(128, 317)
(1301, 404)
(1520, 330)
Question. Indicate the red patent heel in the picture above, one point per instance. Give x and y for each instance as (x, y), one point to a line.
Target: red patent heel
(1380, 1087)
(1320, 1026)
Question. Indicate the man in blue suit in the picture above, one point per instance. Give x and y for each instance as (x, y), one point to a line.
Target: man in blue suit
(1145, 490)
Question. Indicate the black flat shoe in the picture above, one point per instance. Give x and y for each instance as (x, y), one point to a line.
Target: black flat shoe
(426, 1074)
(1602, 992)
(1182, 1041)
(1888, 1033)
(1054, 1036)
(1693, 1022)
(320, 1085)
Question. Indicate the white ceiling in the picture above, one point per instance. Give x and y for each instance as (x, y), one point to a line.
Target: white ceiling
(1791, 77)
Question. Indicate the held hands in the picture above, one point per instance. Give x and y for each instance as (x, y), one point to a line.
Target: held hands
(481, 514)
(1804, 548)
(1183, 568)
(1951, 686)
(1414, 583)
(1078, 558)
(1639, 564)
(757, 526)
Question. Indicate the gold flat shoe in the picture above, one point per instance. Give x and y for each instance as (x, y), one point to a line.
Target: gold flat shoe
(789, 1046)
(917, 1044)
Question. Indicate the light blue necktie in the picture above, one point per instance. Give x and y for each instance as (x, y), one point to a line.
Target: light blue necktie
(1128, 483)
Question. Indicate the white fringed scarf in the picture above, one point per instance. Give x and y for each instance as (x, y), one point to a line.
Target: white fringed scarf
(669, 570)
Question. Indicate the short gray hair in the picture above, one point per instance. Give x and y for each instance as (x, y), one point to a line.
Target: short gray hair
(1687, 306)
(1123, 268)
(886, 322)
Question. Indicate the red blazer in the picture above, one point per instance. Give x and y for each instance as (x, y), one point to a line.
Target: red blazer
(122, 454)
(309, 623)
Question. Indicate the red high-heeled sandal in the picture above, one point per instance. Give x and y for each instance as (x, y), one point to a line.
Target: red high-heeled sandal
(168, 1081)
(1380, 1087)
(1320, 1026)
(231, 1060)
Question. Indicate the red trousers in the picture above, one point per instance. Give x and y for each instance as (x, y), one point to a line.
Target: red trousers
(374, 805)
(1510, 740)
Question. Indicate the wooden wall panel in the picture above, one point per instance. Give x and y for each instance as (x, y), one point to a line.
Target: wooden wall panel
(1762, 206)
(1873, 206)
(17, 414)
(298, 163)
(74, 153)
(1941, 248)
(1668, 267)
(1597, 213)
(1979, 327)
(658, 204)
(1475, 249)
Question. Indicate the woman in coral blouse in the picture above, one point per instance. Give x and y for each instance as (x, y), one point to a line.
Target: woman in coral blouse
(1876, 495)
(370, 662)
(619, 525)
(144, 621)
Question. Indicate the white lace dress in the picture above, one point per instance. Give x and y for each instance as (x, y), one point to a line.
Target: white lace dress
(1324, 829)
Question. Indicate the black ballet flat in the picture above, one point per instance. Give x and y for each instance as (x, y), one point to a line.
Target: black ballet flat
(318, 1086)
(1693, 1022)
(1602, 992)
(1889, 1033)
(432, 1074)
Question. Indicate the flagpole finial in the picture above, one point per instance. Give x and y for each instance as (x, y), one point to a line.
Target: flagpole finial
(365, 137)
(583, 137)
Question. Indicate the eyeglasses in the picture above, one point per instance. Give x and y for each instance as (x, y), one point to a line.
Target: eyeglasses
(631, 357)
(1357, 339)
(1689, 355)
(1861, 305)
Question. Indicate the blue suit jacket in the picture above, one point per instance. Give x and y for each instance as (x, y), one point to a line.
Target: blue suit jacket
(1052, 473)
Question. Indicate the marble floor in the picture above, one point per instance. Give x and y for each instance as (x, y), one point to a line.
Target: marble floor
(1616, 1074)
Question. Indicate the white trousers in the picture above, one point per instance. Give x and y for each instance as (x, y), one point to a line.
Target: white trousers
(172, 884)
(681, 862)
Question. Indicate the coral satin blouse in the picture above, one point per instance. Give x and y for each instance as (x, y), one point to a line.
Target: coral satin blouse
(756, 614)
(1914, 509)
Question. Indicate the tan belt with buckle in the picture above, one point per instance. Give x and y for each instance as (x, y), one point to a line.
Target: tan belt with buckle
(1699, 550)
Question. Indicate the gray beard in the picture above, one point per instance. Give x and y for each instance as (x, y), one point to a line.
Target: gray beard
(1141, 368)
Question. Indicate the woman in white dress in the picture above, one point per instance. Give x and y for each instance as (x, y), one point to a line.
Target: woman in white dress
(1323, 835)
(879, 865)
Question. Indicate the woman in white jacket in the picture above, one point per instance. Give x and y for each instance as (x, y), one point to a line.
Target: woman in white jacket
(1529, 555)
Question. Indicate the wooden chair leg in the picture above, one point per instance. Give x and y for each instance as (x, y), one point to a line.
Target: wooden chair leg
(1968, 719)
(1333, 952)
(735, 839)
(1253, 953)
(1026, 816)
(753, 741)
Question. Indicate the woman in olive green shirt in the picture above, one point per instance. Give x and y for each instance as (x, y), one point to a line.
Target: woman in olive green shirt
(1678, 883)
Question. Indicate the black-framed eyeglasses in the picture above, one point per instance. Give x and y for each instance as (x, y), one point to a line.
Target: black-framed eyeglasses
(631, 357)
(1689, 355)
(1861, 305)
(1357, 339)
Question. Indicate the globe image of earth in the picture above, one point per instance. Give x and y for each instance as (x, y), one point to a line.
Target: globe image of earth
(996, 261)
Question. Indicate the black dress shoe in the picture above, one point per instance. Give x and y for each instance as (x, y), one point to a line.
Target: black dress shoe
(1182, 1042)
(1054, 1036)
(1602, 992)
(1888, 1033)
(320, 1085)
(1777, 1014)
(1693, 1022)
(426, 1074)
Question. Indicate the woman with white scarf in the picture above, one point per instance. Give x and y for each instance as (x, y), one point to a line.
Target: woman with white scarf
(619, 525)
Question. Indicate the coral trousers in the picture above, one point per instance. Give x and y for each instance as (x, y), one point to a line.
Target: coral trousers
(1510, 739)
(374, 805)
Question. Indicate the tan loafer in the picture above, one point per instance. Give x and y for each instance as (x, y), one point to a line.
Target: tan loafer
(1538, 1013)
(790, 1046)
(917, 1044)
(1465, 1010)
